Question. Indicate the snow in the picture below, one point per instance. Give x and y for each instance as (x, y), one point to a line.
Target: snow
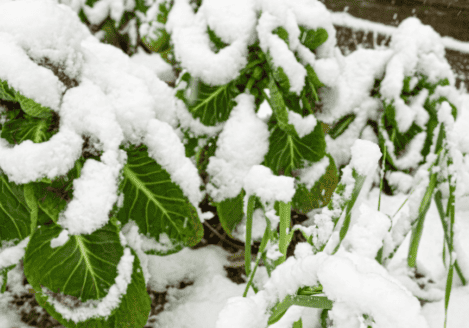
(366, 235)
(165, 147)
(60, 240)
(260, 181)
(402, 182)
(258, 227)
(365, 156)
(237, 152)
(310, 175)
(156, 64)
(280, 52)
(303, 125)
(192, 46)
(28, 161)
(13, 254)
(94, 195)
(457, 310)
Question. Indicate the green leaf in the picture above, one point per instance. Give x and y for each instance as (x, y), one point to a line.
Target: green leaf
(158, 42)
(417, 225)
(4, 274)
(341, 126)
(211, 104)
(313, 38)
(132, 311)
(15, 217)
(7, 93)
(358, 184)
(287, 153)
(53, 196)
(279, 108)
(27, 128)
(84, 267)
(204, 154)
(313, 77)
(157, 204)
(320, 194)
(319, 302)
(230, 212)
(216, 40)
(32, 108)
(282, 34)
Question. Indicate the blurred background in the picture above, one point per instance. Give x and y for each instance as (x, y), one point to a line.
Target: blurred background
(448, 17)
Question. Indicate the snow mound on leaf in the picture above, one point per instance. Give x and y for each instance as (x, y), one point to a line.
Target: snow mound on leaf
(99, 92)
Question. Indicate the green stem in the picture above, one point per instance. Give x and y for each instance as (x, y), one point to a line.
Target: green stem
(247, 248)
(264, 241)
(359, 181)
(383, 168)
(285, 212)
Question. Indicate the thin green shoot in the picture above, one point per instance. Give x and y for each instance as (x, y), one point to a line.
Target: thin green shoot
(419, 222)
(359, 180)
(285, 237)
(247, 251)
(314, 301)
(262, 247)
(450, 213)
(383, 168)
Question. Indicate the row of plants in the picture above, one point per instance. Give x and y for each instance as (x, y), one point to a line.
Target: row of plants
(157, 171)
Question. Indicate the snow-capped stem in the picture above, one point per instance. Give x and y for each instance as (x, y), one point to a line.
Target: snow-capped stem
(318, 302)
(359, 181)
(417, 224)
(383, 167)
(247, 247)
(285, 237)
(439, 206)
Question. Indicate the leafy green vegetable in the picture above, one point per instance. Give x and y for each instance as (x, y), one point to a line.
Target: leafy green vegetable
(84, 267)
(211, 104)
(287, 152)
(15, 218)
(313, 38)
(282, 34)
(230, 212)
(320, 194)
(157, 204)
(24, 128)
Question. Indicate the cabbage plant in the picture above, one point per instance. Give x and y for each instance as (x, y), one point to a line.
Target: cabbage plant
(266, 118)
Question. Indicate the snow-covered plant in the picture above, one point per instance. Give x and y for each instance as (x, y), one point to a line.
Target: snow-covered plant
(88, 152)
(103, 164)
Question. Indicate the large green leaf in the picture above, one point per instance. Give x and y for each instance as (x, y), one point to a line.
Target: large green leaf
(53, 196)
(32, 108)
(313, 38)
(27, 128)
(216, 40)
(211, 104)
(320, 194)
(157, 204)
(15, 219)
(288, 152)
(85, 266)
(279, 108)
(230, 212)
(7, 93)
(282, 34)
